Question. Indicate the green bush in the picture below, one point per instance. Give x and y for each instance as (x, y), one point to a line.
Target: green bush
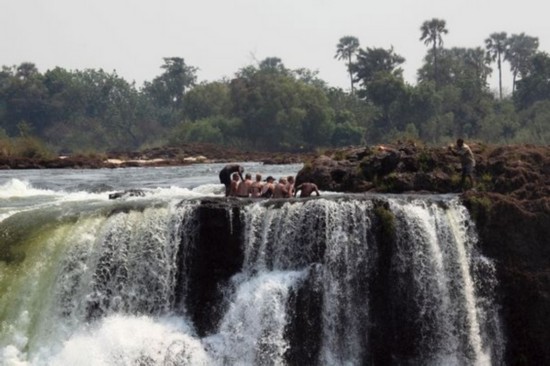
(479, 206)
(346, 134)
(203, 131)
(486, 183)
(32, 148)
(6, 145)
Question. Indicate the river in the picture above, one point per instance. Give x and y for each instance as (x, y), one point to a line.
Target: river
(25, 189)
(183, 276)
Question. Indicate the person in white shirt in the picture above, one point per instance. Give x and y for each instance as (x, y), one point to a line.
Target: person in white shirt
(467, 161)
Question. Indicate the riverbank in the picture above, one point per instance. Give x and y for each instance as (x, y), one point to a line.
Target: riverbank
(167, 156)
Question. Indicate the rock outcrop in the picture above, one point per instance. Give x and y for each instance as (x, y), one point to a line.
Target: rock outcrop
(520, 171)
(515, 232)
(510, 205)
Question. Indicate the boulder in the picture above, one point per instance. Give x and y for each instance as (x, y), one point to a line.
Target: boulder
(127, 193)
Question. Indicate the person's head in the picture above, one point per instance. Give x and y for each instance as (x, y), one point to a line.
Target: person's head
(270, 179)
(258, 177)
(282, 180)
(459, 142)
(248, 176)
(235, 176)
(290, 179)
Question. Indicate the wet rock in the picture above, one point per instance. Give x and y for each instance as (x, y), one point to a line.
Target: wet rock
(510, 206)
(127, 193)
(514, 232)
(521, 171)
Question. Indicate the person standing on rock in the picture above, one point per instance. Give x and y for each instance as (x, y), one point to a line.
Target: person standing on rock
(467, 160)
(225, 175)
(306, 189)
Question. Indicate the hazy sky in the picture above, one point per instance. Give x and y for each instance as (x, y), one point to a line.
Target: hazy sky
(222, 36)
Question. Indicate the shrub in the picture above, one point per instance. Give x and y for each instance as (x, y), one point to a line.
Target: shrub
(32, 148)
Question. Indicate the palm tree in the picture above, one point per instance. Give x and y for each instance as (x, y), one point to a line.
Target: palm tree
(432, 31)
(521, 48)
(496, 46)
(345, 49)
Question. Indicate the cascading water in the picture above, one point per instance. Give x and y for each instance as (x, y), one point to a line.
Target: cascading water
(440, 274)
(333, 281)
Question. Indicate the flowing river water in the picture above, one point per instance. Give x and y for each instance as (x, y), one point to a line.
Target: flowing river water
(85, 280)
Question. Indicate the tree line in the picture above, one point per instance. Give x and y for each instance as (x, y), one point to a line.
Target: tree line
(267, 106)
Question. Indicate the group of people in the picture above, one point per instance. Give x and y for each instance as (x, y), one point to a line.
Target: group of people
(238, 186)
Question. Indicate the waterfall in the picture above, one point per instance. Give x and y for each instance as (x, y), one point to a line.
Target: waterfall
(88, 268)
(330, 281)
(436, 269)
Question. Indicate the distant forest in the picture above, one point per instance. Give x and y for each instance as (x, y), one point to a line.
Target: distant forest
(269, 107)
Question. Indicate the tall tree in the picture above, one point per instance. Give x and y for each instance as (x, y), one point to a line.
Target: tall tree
(382, 83)
(457, 66)
(345, 50)
(373, 60)
(432, 31)
(462, 98)
(496, 46)
(535, 86)
(376, 60)
(207, 100)
(22, 98)
(474, 61)
(521, 48)
(278, 111)
(273, 65)
(167, 90)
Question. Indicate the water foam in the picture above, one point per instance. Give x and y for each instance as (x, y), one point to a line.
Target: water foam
(252, 331)
(130, 340)
(20, 188)
(127, 262)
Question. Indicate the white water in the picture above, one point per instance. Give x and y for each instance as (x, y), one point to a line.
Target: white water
(98, 283)
(129, 340)
(252, 331)
(288, 237)
(438, 250)
(26, 190)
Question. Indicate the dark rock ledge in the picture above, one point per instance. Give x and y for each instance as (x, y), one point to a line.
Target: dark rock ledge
(510, 206)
